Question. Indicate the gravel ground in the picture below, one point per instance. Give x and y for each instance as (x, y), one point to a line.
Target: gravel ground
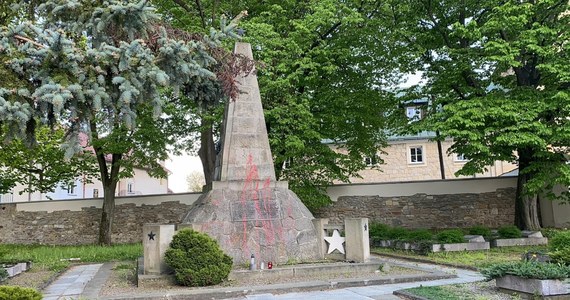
(34, 278)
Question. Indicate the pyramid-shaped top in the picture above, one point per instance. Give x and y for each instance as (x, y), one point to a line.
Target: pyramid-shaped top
(246, 155)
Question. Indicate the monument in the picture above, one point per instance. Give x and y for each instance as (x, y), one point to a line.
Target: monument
(246, 210)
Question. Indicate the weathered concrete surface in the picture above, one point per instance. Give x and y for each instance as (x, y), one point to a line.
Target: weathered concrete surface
(532, 286)
(519, 242)
(247, 211)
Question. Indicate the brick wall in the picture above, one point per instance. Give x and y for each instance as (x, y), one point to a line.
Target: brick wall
(492, 209)
(71, 227)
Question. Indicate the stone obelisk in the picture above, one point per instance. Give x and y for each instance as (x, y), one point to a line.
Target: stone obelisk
(247, 211)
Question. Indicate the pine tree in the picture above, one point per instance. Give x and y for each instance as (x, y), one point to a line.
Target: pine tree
(102, 68)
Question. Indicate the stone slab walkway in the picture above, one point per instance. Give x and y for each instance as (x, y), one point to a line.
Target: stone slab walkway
(71, 283)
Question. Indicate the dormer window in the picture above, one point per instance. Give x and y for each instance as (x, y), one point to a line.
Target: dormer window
(414, 113)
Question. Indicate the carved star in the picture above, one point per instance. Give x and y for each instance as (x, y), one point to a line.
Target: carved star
(335, 242)
(151, 236)
(365, 227)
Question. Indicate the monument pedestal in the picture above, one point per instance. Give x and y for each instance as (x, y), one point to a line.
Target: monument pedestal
(259, 218)
(156, 240)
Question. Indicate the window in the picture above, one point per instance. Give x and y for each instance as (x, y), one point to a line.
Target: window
(71, 189)
(95, 193)
(130, 188)
(460, 157)
(413, 112)
(371, 161)
(416, 154)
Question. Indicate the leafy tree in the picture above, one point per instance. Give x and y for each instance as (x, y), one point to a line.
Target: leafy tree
(323, 74)
(195, 181)
(102, 68)
(497, 76)
(42, 167)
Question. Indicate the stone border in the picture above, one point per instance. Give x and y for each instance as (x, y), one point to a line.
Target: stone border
(531, 286)
(18, 268)
(530, 241)
(471, 246)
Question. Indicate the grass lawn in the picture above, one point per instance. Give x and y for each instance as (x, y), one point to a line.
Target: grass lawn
(50, 260)
(477, 259)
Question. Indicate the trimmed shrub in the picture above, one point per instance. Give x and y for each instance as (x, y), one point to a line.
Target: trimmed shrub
(197, 259)
(480, 230)
(399, 234)
(420, 235)
(527, 269)
(379, 231)
(560, 241)
(509, 232)
(559, 246)
(19, 293)
(450, 236)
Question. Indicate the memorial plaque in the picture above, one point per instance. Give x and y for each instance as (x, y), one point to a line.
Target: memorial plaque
(255, 210)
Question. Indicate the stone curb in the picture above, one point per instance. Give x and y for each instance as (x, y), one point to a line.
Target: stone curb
(427, 261)
(406, 295)
(223, 293)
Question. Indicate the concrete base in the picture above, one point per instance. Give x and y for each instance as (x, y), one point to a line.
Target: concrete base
(519, 242)
(473, 246)
(261, 218)
(532, 286)
(17, 269)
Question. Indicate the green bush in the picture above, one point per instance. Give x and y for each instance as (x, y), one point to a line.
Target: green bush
(527, 269)
(560, 241)
(3, 273)
(19, 293)
(197, 259)
(509, 232)
(550, 232)
(399, 234)
(420, 235)
(480, 230)
(559, 246)
(379, 231)
(450, 236)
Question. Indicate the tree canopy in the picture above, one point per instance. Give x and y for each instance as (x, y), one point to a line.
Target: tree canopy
(102, 69)
(497, 77)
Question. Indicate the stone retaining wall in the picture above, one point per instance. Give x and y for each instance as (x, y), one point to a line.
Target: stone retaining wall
(68, 227)
(491, 209)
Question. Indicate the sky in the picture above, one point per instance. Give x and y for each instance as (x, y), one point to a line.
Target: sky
(180, 167)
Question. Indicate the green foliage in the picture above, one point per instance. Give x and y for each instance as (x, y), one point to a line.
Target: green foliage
(399, 234)
(19, 293)
(509, 232)
(480, 230)
(378, 230)
(436, 293)
(527, 269)
(497, 81)
(560, 241)
(3, 273)
(450, 236)
(420, 235)
(559, 246)
(42, 167)
(317, 84)
(197, 259)
(50, 257)
(550, 232)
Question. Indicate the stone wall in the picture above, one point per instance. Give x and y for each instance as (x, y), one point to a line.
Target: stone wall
(491, 209)
(72, 227)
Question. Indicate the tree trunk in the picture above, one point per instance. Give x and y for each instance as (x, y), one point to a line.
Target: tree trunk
(108, 214)
(207, 152)
(526, 205)
(440, 155)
